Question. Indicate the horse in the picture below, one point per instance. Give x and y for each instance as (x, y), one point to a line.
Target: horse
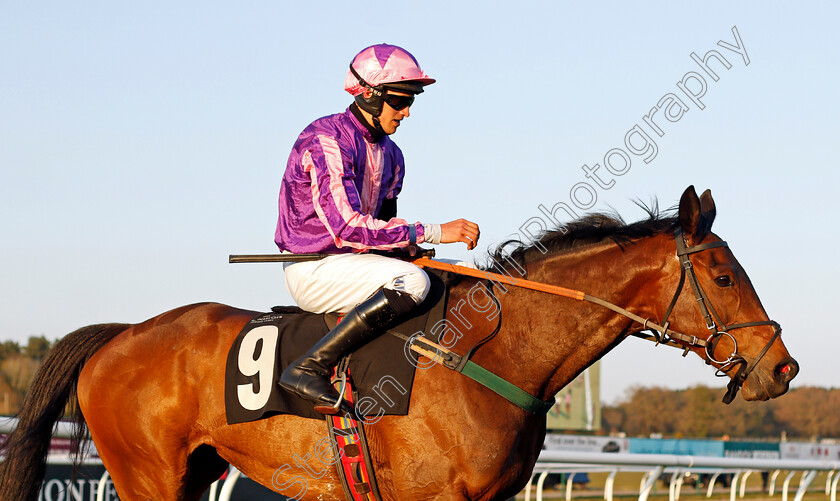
(150, 394)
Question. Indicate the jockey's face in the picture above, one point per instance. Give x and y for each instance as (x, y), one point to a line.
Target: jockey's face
(390, 118)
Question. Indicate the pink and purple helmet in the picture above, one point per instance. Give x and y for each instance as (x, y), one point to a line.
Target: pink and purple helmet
(385, 66)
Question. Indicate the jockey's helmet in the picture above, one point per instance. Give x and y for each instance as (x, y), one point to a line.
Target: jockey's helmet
(381, 67)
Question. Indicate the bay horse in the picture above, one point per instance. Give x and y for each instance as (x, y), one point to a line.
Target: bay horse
(151, 393)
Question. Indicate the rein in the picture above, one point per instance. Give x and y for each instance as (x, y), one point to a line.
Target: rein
(661, 333)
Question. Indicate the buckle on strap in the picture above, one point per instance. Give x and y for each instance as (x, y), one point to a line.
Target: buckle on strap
(502, 387)
(448, 359)
(451, 361)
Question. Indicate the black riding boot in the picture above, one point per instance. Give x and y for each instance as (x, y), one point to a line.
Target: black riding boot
(309, 375)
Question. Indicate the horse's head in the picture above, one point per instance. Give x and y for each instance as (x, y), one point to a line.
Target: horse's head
(717, 303)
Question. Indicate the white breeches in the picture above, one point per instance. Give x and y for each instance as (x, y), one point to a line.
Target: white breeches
(337, 283)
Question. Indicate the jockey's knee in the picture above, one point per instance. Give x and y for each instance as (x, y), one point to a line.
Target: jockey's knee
(416, 284)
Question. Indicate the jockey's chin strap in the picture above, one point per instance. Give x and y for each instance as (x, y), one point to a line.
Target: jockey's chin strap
(661, 333)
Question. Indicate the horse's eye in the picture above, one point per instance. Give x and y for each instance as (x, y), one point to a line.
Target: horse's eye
(723, 281)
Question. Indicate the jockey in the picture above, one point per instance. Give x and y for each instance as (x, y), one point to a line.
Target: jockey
(339, 196)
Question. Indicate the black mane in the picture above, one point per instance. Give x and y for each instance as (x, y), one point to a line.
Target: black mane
(587, 230)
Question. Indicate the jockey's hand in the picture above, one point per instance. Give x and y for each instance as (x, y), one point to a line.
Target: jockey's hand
(460, 230)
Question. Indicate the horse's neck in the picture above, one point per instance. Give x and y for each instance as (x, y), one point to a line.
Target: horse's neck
(547, 340)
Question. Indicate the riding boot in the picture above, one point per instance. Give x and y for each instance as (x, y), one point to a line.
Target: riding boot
(309, 375)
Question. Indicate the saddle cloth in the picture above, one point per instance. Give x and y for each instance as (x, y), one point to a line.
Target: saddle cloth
(266, 345)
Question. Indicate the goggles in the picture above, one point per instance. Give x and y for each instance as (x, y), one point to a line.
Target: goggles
(398, 102)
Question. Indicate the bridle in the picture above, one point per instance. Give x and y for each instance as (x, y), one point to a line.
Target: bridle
(661, 334)
(716, 326)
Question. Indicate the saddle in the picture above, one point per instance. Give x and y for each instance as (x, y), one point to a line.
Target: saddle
(382, 370)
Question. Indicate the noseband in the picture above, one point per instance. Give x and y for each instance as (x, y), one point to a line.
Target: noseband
(717, 327)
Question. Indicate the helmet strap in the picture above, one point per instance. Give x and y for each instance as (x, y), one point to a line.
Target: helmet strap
(372, 104)
(375, 129)
(378, 131)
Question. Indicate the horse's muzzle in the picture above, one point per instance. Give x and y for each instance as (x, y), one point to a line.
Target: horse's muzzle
(766, 385)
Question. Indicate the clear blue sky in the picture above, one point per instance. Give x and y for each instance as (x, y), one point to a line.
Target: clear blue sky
(141, 143)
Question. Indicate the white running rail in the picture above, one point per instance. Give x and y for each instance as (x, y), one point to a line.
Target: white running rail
(570, 462)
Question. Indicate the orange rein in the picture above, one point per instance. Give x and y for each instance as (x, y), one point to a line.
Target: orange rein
(472, 272)
(664, 331)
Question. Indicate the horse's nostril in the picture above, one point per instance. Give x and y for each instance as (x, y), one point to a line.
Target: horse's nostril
(787, 370)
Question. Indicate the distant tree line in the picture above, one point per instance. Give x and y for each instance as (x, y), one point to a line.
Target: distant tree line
(805, 412)
(37, 348)
(18, 364)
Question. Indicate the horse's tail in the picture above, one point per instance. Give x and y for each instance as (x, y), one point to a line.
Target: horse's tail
(22, 471)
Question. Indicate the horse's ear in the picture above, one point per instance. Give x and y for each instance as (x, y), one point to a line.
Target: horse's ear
(691, 217)
(707, 209)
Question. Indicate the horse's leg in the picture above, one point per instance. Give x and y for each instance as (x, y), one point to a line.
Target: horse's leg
(136, 435)
(137, 477)
(288, 454)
